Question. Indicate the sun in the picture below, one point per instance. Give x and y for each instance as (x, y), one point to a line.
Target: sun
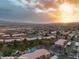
(66, 11)
(66, 8)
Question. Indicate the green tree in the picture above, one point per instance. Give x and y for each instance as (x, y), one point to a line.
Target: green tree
(6, 51)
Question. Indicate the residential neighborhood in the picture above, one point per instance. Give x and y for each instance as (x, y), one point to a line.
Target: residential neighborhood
(39, 29)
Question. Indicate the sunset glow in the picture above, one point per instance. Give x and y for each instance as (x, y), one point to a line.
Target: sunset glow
(66, 8)
(65, 18)
(39, 11)
(66, 13)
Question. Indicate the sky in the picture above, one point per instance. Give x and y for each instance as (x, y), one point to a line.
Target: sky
(23, 11)
(29, 11)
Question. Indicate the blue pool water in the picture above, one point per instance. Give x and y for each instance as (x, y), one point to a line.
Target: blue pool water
(54, 57)
(30, 50)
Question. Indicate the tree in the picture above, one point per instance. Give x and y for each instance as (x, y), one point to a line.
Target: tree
(16, 44)
(6, 51)
(1, 45)
(57, 34)
(72, 38)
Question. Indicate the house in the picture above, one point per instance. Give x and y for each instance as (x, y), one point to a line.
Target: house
(60, 42)
(69, 43)
(76, 44)
(7, 58)
(49, 37)
(19, 35)
(38, 54)
(6, 35)
(54, 57)
(71, 35)
(53, 32)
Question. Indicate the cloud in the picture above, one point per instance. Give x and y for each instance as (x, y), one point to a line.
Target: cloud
(19, 3)
(25, 10)
(49, 10)
(23, 3)
(45, 4)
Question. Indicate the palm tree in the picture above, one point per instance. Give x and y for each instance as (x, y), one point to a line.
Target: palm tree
(57, 34)
(66, 36)
(72, 38)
